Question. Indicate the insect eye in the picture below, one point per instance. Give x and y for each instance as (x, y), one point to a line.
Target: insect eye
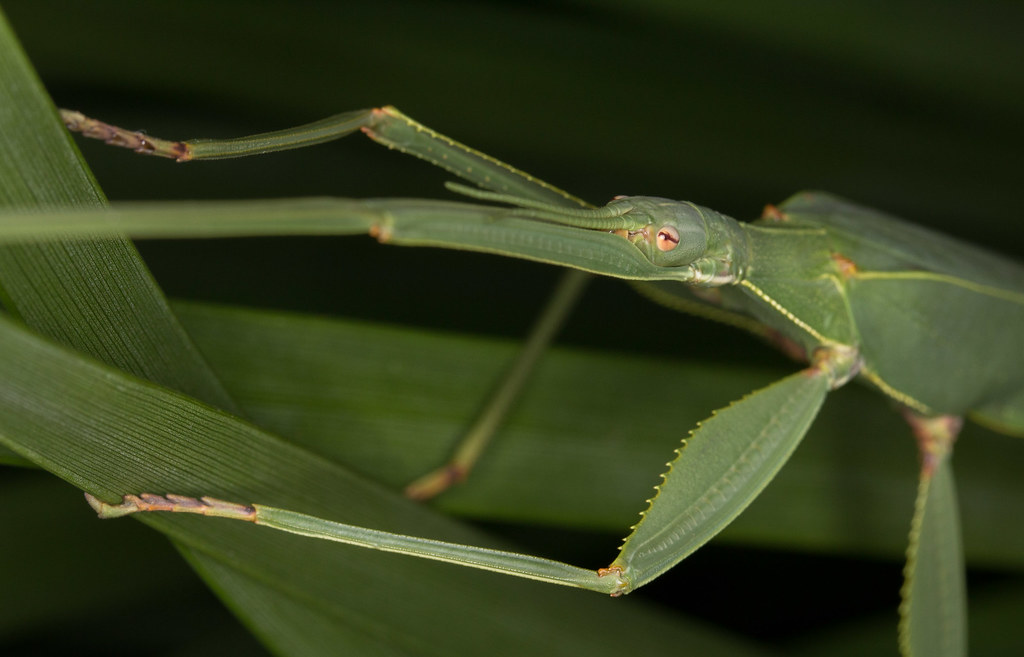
(668, 238)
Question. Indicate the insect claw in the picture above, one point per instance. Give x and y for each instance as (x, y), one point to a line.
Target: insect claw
(107, 511)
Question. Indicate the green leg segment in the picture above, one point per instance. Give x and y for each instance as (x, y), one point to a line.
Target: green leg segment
(933, 614)
(477, 437)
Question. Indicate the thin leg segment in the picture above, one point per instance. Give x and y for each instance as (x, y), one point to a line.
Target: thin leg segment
(500, 561)
(318, 132)
(477, 437)
(385, 125)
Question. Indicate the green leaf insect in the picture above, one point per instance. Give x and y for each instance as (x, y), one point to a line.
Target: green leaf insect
(852, 292)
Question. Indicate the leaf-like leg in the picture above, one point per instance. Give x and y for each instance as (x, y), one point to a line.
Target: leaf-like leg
(724, 465)
(933, 613)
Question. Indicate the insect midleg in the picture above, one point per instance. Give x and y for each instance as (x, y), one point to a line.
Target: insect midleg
(395, 130)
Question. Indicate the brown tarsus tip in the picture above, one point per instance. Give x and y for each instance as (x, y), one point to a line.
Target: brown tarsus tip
(206, 506)
(115, 136)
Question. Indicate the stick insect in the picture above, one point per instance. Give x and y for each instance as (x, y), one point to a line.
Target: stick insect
(852, 292)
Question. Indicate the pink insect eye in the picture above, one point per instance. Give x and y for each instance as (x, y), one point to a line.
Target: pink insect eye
(668, 238)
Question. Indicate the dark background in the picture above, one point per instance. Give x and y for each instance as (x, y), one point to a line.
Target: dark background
(914, 108)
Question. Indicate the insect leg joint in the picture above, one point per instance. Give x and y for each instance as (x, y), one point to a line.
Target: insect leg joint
(839, 361)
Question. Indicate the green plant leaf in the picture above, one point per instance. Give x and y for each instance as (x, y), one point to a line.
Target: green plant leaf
(94, 295)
